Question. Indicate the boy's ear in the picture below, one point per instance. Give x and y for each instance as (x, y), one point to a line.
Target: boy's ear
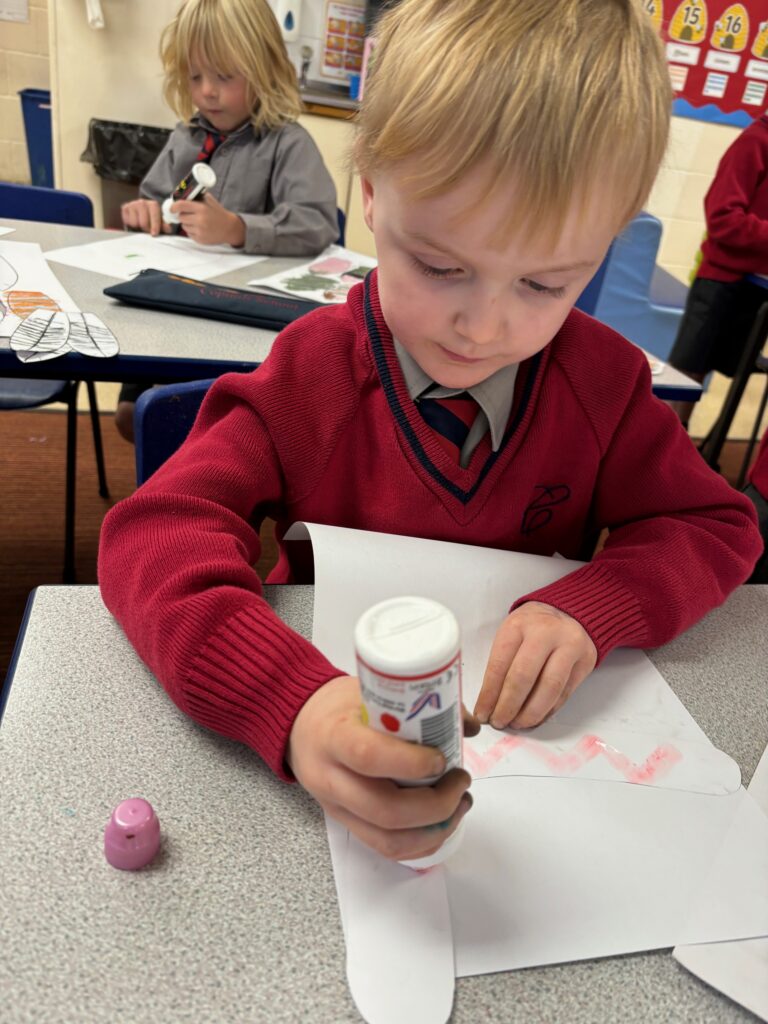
(367, 187)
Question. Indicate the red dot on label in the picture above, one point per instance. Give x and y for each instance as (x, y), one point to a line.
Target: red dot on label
(390, 723)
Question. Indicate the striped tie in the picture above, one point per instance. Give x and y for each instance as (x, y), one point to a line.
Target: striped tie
(450, 418)
(212, 142)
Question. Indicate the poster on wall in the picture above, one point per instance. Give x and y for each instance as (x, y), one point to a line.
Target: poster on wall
(718, 56)
(344, 40)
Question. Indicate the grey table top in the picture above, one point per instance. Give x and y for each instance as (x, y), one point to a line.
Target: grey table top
(143, 333)
(163, 337)
(237, 920)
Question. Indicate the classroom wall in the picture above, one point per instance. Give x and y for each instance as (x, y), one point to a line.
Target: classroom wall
(23, 65)
(677, 198)
(118, 78)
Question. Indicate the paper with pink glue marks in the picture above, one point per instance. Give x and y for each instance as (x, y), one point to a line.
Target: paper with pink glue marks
(600, 827)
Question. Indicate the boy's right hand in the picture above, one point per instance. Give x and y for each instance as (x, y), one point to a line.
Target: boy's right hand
(348, 767)
(143, 215)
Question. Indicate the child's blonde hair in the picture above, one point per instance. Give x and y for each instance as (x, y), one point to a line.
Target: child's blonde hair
(234, 37)
(565, 97)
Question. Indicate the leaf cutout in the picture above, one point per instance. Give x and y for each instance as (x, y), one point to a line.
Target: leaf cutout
(8, 275)
(43, 335)
(90, 336)
(24, 303)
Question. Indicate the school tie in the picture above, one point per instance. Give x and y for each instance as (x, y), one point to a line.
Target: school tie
(450, 418)
(212, 142)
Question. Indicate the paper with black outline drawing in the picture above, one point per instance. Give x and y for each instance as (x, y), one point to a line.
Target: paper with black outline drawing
(588, 868)
(32, 274)
(56, 326)
(48, 334)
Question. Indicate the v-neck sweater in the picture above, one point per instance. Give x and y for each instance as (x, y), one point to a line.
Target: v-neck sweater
(325, 431)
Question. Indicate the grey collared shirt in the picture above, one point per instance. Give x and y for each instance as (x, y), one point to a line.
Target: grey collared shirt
(493, 395)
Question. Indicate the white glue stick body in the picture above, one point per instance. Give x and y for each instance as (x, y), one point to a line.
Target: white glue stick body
(201, 178)
(409, 665)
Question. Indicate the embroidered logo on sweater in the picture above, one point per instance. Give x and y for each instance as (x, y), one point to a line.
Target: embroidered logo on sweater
(539, 512)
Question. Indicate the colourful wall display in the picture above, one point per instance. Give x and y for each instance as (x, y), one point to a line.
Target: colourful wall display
(718, 56)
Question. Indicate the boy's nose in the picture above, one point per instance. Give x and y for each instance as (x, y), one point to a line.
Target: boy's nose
(482, 323)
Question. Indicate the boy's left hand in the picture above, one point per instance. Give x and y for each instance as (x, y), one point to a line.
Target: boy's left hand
(538, 658)
(207, 222)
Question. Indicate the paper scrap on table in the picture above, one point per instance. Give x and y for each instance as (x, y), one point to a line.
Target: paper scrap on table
(27, 283)
(129, 253)
(738, 969)
(328, 278)
(588, 867)
(6, 231)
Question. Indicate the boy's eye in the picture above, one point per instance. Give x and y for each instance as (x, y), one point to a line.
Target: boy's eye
(436, 272)
(542, 289)
(224, 78)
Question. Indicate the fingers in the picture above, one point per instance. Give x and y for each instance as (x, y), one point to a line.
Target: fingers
(539, 656)
(398, 843)
(142, 215)
(154, 217)
(385, 805)
(471, 722)
(379, 755)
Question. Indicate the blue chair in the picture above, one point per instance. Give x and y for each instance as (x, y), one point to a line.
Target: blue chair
(632, 294)
(53, 205)
(28, 202)
(161, 421)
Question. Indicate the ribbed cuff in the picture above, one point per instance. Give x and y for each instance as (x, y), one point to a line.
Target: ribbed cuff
(605, 607)
(251, 680)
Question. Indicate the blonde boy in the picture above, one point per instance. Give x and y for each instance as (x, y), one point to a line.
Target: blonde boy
(502, 145)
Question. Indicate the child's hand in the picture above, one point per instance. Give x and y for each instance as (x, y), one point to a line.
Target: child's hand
(143, 215)
(539, 656)
(348, 767)
(208, 222)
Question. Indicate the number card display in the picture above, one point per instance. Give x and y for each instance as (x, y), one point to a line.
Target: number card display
(718, 56)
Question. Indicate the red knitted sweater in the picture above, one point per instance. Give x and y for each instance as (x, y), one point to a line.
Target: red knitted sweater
(325, 432)
(736, 208)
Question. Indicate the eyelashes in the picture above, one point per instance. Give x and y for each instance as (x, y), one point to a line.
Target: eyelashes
(445, 273)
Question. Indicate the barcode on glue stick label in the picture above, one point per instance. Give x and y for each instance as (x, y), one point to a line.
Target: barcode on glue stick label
(422, 709)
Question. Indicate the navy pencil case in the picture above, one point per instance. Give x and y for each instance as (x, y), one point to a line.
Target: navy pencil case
(156, 289)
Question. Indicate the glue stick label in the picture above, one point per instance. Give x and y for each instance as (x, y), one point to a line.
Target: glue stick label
(409, 666)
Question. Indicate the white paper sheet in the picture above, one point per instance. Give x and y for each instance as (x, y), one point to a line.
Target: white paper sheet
(6, 231)
(327, 278)
(410, 976)
(738, 969)
(27, 282)
(131, 252)
(588, 868)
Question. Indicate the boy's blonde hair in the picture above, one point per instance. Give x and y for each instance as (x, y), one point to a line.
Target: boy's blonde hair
(234, 37)
(564, 97)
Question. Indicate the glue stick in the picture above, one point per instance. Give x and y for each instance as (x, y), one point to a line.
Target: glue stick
(409, 666)
(201, 178)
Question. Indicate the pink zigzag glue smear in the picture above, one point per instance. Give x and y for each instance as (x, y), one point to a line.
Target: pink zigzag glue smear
(656, 765)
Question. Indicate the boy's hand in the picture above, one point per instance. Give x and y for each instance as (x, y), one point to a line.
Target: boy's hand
(208, 222)
(143, 215)
(348, 767)
(538, 658)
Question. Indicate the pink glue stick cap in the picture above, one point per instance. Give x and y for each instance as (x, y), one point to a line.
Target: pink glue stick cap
(132, 835)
